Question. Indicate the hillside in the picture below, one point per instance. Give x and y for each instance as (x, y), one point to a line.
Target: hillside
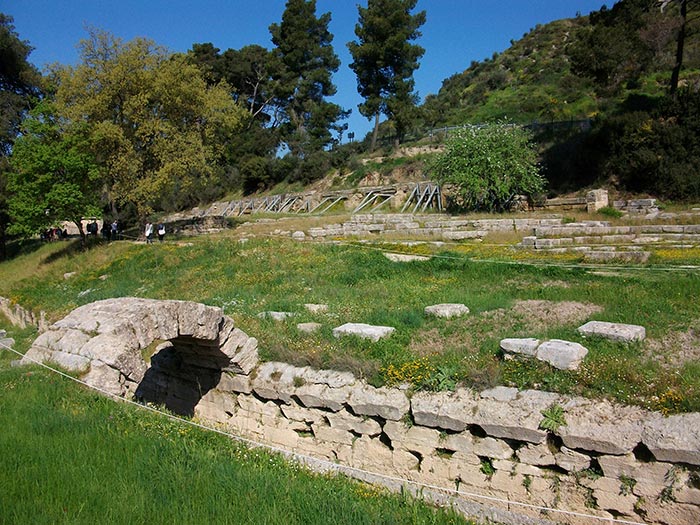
(570, 69)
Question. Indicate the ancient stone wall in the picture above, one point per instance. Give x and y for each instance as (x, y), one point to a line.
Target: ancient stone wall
(529, 447)
(22, 317)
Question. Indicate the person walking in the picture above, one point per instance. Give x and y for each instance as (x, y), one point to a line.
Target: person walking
(161, 232)
(149, 233)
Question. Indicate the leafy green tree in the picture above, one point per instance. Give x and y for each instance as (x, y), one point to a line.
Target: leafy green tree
(488, 166)
(54, 176)
(19, 89)
(384, 60)
(158, 130)
(303, 82)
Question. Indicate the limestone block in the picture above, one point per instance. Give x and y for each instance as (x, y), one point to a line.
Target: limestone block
(415, 438)
(211, 412)
(571, 460)
(364, 331)
(675, 438)
(388, 403)
(226, 402)
(245, 358)
(500, 393)
(254, 406)
(309, 328)
(276, 381)
(275, 316)
(609, 497)
(446, 410)
(104, 377)
(345, 421)
(298, 235)
(284, 438)
(72, 362)
(625, 333)
(492, 448)
(526, 346)
(447, 310)
(670, 513)
(601, 426)
(518, 468)
(688, 495)
(510, 483)
(403, 257)
(234, 383)
(322, 396)
(316, 308)
(462, 442)
(404, 462)
(331, 378)
(328, 434)
(518, 419)
(294, 412)
(372, 455)
(198, 320)
(438, 471)
(564, 355)
(539, 455)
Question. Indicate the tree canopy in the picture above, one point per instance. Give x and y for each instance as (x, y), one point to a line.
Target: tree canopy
(156, 127)
(385, 59)
(54, 177)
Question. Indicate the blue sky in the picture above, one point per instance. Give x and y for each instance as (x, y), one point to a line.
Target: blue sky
(456, 31)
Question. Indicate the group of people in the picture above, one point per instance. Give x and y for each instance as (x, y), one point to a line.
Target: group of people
(110, 232)
(54, 234)
(149, 232)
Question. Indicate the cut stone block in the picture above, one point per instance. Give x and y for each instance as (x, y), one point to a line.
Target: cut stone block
(563, 355)
(365, 331)
(675, 438)
(316, 308)
(526, 346)
(625, 333)
(402, 257)
(275, 316)
(447, 310)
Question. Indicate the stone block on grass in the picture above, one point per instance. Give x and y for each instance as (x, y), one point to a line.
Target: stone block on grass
(625, 333)
(364, 331)
(447, 310)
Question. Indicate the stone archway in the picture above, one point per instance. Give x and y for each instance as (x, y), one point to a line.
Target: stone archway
(110, 344)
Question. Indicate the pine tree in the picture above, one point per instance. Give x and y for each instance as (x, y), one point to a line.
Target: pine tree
(307, 61)
(385, 59)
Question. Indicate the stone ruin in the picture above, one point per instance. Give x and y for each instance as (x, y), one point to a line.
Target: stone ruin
(597, 458)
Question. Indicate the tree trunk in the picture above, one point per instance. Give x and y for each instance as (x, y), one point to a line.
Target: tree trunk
(675, 74)
(83, 237)
(375, 133)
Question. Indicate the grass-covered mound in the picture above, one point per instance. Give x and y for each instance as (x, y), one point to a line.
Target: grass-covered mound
(507, 299)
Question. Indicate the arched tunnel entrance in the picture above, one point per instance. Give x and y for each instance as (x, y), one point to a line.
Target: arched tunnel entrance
(182, 371)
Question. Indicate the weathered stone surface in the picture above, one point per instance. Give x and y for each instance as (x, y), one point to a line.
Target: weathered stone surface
(539, 455)
(332, 378)
(448, 410)
(492, 448)
(235, 383)
(388, 403)
(500, 393)
(602, 426)
(675, 438)
(276, 381)
(365, 331)
(275, 316)
(625, 333)
(316, 308)
(415, 438)
(345, 421)
(564, 355)
(298, 235)
(403, 257)
(322, 396)
(309, 328)
(571, 460)
(447, 310)
(323, 432)
(526, 346)
(518, 419)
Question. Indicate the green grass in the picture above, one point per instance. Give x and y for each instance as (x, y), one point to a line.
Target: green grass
(72, 456)
(361, 285)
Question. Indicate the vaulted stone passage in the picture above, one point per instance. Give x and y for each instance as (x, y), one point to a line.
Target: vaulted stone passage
(109, 342)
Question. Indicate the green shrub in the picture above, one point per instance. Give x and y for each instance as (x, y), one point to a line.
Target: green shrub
(489, 166)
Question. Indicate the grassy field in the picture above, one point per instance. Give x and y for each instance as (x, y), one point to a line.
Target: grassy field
(508, 293)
